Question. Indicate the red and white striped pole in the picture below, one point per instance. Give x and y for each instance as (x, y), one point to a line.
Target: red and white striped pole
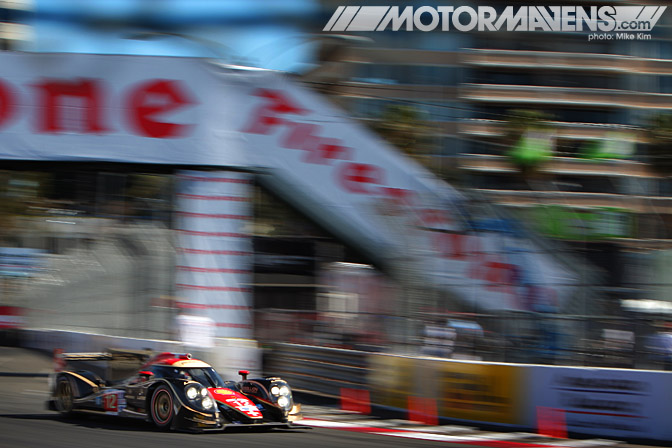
(214, 260)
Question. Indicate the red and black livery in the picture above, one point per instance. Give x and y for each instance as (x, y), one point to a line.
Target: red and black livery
(174, 391)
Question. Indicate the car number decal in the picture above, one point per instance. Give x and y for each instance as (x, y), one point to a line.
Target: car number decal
(244, 405)
(114, 402)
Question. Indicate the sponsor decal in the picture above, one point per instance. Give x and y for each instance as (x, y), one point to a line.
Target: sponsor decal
(237, 401)
(245, 406)
(223, 392)
(250, 389)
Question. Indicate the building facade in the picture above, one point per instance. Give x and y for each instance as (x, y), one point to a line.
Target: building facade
(601, 194)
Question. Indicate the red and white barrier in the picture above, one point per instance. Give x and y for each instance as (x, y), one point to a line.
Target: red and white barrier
(11, 317)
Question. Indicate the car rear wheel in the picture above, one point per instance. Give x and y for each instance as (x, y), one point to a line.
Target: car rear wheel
(63, 397)
(162, 407)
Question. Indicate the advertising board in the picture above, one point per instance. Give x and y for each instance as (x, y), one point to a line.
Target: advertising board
(480, 391)
(606, 402)
(181, 111)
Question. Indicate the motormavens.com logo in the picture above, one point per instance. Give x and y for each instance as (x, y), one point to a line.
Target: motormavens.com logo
(597, 19)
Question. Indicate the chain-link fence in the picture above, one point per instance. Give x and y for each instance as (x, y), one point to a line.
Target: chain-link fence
(88, 251)
(641, 342)
(107, 266)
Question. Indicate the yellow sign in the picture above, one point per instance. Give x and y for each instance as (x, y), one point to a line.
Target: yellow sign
(390, 378)
(483, 392)
(462, 390)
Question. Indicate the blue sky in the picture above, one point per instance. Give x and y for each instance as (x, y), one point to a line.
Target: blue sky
(267, 33)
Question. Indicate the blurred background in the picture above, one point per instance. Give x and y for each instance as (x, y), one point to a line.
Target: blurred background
(553, 142)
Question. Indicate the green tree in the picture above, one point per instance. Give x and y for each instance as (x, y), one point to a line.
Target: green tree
(529, 139)
(405, 127)
(402, 126)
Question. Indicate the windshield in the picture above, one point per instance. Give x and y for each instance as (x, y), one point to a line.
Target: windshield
(207, 376)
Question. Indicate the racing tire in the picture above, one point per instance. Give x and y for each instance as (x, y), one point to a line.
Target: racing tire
(162, 407)
(63, 397)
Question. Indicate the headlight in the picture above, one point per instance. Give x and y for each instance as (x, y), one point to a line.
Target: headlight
(204, 392)
(283, 402)
(192, 392)
(284, 390)
(275, 390)
(207, 402)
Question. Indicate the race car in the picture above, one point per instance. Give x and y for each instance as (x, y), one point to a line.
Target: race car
(172, 390)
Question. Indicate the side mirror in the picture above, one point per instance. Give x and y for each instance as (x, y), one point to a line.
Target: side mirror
(244, 373)
(145, 374)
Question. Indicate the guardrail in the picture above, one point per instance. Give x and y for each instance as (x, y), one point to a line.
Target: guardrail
(318, 369)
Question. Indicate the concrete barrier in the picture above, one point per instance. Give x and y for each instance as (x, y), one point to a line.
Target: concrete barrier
(622, 404)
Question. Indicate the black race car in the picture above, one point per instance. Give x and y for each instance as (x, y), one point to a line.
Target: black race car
(174, 391)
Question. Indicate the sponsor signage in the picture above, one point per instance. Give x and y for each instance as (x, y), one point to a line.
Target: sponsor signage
(114, 108)
(362, 189)
(480, 392)
(606, 402)
(182, 111)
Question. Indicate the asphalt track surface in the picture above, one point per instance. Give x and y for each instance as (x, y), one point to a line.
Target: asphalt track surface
(24, 422)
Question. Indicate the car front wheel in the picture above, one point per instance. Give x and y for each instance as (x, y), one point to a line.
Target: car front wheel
(162, 407)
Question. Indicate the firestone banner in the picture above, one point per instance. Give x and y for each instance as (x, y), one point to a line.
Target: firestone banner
(116, 108)
(181, 111)
(370, 194)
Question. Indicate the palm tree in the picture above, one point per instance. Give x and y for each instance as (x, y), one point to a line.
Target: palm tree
(529, 139)
(404, 127)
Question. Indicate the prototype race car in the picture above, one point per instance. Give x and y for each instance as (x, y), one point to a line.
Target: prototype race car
(174, 391)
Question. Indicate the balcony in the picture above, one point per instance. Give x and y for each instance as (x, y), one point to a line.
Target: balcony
(563, 130)
(547, 60)
(559, 166)
(564, 96)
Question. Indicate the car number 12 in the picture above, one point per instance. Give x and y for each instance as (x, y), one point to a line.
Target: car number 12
(111, 402)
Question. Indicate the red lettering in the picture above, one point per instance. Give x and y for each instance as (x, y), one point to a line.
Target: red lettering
(330, 149)
(354, 177)
(7, 103)
(265, 117)
(400, 196)
(150, 100)
(320, 149)
(301, 136)
(52, 107)
(430, 217)
(497, 274)
(451, 245)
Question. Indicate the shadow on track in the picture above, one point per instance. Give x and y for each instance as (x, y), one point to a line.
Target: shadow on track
(90, 421)
(109, 422)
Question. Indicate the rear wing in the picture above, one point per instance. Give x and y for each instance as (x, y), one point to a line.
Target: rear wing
(111, 365)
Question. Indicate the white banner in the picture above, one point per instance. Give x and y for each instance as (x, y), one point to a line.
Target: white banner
(182, 111)
(116, 108)
(372, 195)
